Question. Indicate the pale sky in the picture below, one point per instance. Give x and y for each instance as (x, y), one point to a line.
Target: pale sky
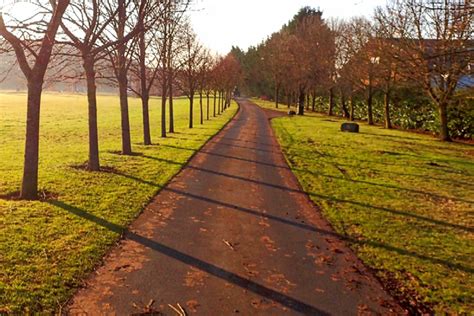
(223, 23)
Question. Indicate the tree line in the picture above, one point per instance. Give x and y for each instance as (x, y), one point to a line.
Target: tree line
(137, 45)
(409, 65)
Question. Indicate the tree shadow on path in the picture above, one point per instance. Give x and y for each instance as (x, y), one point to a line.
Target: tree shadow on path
(209, 268)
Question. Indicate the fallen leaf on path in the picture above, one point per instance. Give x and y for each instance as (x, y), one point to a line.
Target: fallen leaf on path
(228, 244)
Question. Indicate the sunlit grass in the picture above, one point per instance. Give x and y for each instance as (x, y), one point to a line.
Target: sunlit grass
(45, 250)
(404, 201)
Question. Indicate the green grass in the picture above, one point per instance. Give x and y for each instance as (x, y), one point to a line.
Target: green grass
(404, 201)
(46, 249)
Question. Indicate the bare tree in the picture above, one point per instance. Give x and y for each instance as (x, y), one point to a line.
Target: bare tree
(147, 59)
(85, 24)
(192, 60)
(203, 80)
(434, 39)
(274, 56)
(172, 24)
(129, 16)
(231, 76)
(361, 63)
(33, 49)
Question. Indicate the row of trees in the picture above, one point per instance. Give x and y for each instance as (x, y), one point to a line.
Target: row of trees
(138, 45)
(408, 46)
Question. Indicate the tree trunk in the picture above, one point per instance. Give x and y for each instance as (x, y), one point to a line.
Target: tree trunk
(165, 79)
(219, 103)
(388, 123)
(227, 100)
(301, 102)
(207, 105)
(443, 114)
(331, 101)
(200, 108)
(164, 91)
(277, 92)
(370, 114)
(308, 101)
(144, 89)
(146, 118)
(29, 187)
(171, 105)
(313, 102)
(122, 79)
(191, 101)
(215, 100)
(93, 163)
(351, 104)
(223, 101)
(170, 74)
(125, 121)
(345, 113)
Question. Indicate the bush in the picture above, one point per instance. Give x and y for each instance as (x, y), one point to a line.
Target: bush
(461, 118)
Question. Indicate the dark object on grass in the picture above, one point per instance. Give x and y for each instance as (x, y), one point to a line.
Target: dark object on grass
(291, 112)
(350, 127)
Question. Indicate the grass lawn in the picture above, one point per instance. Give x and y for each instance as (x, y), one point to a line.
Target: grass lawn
(45, 248)
(404, 201)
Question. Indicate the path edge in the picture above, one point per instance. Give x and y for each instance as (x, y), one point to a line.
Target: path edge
(372, 271)
(63, 309)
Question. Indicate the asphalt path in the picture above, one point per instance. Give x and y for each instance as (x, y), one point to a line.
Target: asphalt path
(233, 233)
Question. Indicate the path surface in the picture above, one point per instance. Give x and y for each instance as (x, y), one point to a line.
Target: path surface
(233, 234)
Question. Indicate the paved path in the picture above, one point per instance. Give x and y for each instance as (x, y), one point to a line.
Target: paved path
(233, 234)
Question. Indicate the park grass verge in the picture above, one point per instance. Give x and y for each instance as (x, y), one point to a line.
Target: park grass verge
(403, 201)
(45, 248)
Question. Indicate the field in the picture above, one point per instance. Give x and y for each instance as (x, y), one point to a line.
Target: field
(403, 201)
(46, 248)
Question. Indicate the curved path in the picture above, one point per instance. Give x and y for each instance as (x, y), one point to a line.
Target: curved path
(233, 234)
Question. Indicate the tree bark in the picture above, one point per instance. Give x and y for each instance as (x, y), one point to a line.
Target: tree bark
(164, 91)
(226, 100)
(207, 105)
(345, 113)
(171, 105)
(443, 114)
(277, 92)
(146, 118)
(93, 164)
(351, 104)
(331, 101)
(29, 187)
(144, 94)
(219, 103)
(191, 101)
(301, 100)
(125, 121)
(122, 79)
(165, 79)
(170, 76)
(223, 101)
(215, 100)
(370, 114)
(201, 108)
(313, 102)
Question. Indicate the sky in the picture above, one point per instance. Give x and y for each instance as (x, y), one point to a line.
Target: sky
(220, 24)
